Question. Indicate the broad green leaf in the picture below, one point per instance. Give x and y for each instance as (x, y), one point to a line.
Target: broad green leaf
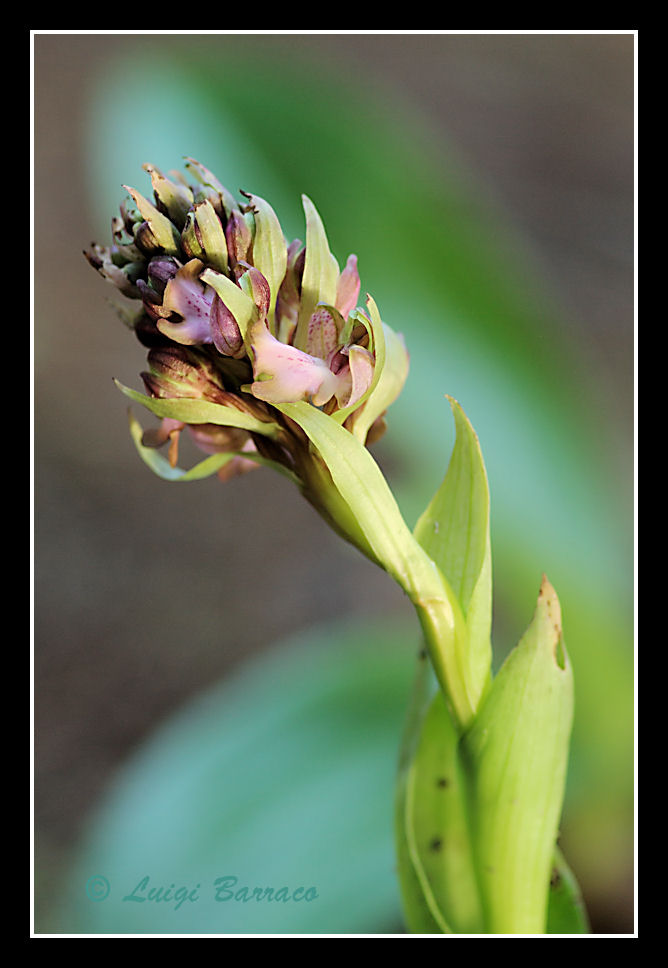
(454, 531)
(358, 481)
(201, 411)
(321, 271)
(516, 755)
(566, 912)
(420, 909)
(422, 914)
(436, 868)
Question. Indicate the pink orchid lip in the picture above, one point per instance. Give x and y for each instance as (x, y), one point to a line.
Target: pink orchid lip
(285, 374)
(190, 299)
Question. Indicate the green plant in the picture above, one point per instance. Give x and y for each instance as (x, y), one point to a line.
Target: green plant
(258, 349)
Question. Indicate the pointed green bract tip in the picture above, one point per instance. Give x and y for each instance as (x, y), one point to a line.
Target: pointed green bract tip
(516, 754)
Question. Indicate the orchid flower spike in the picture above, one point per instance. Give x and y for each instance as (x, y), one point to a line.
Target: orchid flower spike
(241, 324)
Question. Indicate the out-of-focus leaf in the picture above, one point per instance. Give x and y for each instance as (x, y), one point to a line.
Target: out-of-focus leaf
(283, 775)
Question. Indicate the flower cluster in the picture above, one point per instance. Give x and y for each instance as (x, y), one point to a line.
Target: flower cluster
(234, 316)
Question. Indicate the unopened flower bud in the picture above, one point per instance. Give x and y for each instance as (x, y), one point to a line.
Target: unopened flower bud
(222, 200)
(173, 199)
(176, 372)
(160, 270)
(155, 233)
(239, 238)
(203, 236)
(225, 330)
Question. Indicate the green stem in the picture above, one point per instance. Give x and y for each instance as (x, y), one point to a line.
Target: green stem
(342, 478)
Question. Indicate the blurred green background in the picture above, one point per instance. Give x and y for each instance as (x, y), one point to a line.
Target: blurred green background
(219, 681)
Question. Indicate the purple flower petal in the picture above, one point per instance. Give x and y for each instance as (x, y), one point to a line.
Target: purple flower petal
(190, 299)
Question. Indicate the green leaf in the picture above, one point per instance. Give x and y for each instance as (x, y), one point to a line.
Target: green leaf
(566, 912)
(454, 531)
(191, 411)
(516, 755)
(422, 914)
(436, 868)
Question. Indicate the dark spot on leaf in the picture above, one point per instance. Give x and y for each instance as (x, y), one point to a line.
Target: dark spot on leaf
(442, 782)
(555, 879)
(436, 844)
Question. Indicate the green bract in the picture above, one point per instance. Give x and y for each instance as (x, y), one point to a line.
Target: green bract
(479, 801)
(259, 349)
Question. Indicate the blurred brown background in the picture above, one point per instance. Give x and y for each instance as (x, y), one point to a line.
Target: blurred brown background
(129, 604)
